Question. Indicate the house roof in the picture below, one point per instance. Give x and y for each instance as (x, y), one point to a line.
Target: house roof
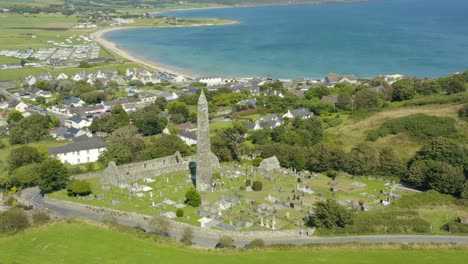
(71, 100)
(300, 112)
(76, 119)
(188, 134)
(80, 143)
(249, 102)
(332, 99)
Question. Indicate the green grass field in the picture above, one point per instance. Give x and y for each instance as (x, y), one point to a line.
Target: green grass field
(78, 242)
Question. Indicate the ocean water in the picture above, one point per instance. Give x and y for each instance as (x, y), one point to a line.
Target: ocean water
(422, 38)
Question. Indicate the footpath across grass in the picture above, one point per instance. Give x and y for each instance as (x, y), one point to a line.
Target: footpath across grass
(79, 242)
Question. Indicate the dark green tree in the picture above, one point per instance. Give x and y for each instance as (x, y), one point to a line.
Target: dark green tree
(403, 90)
(330, 214)
(366, 99)
(363, 159)
(53, 175)
(14, 116)
(317, 92)
(24, 155)
(390, 164)
(192, 197)
(78, 188)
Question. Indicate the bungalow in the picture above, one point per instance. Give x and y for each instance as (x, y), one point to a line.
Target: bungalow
(302, 113)
(84, 149)
(80, 76)
(46, 77)
(333, 79)
(19, 106)
(332, 99)
(266, 122)
(77, 122)
(147, 97)
(168, 96)
(62, 76)
(30, 81)
(248, 102)
(73, 102)
(390, 79)
(66, 133)
(60, 109)
(188, 136)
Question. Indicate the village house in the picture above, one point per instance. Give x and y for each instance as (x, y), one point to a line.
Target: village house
(84, 149)
(73, 102)
(29, 81)
(60, 109)
(250, 103)
(188, 136)
(331, 98)
(77, 122)
(333, 79)
(62, 76)
(66, 133)
(302, 113)
(18, 105)
(80, 76)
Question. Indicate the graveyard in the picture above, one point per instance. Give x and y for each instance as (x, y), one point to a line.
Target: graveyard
(284, 201)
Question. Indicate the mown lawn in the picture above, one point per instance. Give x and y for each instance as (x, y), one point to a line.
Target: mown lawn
(86, 243)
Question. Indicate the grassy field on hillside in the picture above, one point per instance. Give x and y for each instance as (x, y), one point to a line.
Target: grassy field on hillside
(352, 132)
(90, 243)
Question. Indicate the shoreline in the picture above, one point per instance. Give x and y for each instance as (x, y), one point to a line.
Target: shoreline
(98, 36)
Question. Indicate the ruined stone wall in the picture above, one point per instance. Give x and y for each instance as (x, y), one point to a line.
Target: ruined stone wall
(146, 169)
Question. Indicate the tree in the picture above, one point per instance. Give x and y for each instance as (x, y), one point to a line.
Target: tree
(160, 225)
(445, 178)
(164, 146)
(330, 214)
(24, 176)
(53, 175)
(366, 99)
(78, 188)
(442, 149)
(362, 160)
(14, 116)
(178, 111)
(324, 157)
(317, 92)
(40, 99)
(427, 87)
(235, 137)
(452, 84)
(403, 90)
(390, 164)
(345, 101)
(93, 97)
(192, 197)
(24, 155)
(117, 152)
(149, 122)
(32, 128)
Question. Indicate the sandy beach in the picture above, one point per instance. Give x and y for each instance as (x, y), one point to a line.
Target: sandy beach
(98, 36)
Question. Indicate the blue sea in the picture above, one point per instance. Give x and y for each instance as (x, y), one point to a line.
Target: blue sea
(421, 38)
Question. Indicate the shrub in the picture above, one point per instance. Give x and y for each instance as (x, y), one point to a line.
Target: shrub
(40, 217)
(180, 212)
(455, 227)
(256, 162)
(257, 186)
(192, 197)
(226, 241)
(248, 183)
(419, 126)
(160, 225)
(257, 243)
(463, 113)
(78, 187)
(109, 218)
(13, 221)
(187, 236)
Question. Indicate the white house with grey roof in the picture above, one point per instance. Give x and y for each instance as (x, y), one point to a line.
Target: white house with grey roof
(302, 113)
(84, 149)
